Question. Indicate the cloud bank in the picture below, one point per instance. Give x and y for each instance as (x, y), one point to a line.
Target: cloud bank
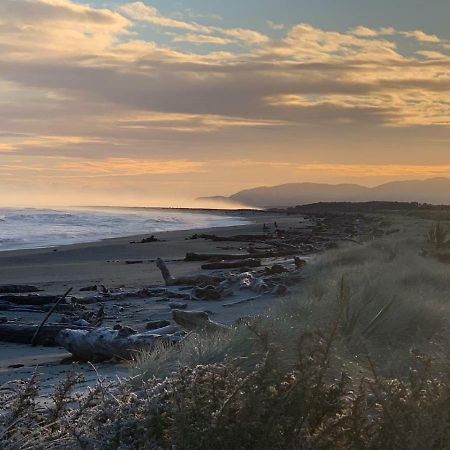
(84, 90)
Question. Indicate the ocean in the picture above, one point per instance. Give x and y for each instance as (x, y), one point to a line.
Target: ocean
(28, 228)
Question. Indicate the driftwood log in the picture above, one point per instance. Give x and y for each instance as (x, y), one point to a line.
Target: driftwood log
(251, 262)
(210, 292)
(194, 280)
(102, 297)
(17, 288)
(32, 299)
(197, 321)
(6, 306)
(47, 316)
(105, 343)
(23, 334)
(236, 238)
(213, 257)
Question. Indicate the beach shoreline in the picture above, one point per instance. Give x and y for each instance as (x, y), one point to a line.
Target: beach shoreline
(41, 228)
(51, 268)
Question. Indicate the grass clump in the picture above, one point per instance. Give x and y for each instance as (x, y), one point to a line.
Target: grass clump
(437, 234)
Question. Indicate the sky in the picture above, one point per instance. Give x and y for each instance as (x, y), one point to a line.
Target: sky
(157, 102)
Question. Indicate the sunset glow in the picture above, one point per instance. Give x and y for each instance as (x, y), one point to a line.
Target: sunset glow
(160, 102)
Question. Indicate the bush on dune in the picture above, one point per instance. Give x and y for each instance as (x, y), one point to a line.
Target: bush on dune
(314, 405)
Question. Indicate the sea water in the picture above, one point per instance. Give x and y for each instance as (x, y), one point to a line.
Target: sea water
(28, 228)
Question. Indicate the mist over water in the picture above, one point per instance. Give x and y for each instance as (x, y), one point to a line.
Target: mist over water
(26, 228)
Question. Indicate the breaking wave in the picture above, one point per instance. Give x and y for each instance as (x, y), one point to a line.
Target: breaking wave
(39, 228)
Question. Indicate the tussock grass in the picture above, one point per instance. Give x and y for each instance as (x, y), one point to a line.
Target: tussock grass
(196, 350)
(437, 234)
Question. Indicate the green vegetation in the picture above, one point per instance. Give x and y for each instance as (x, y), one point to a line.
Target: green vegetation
(357, 360)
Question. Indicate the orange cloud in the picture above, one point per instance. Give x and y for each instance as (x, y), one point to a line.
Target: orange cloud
(420, 36)
(202, 39)
(37, 142)
(140, 12)
(192, 122)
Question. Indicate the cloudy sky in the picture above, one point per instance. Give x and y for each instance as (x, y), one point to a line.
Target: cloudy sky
(160, 101)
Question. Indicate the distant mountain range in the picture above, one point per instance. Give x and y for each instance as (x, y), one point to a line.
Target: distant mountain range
(434, 190)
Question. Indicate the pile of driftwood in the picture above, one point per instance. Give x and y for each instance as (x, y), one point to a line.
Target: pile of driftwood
(222, 284)
(81, 332)
(89, 341)
(323, 231)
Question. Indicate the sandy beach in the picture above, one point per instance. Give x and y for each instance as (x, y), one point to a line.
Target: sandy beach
(107, 263)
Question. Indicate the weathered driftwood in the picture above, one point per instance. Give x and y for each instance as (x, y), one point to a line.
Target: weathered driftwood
(161, 265)
(89, 288)
(288, 278)
(210, 292)
(22, 334)
(94, 299)
(106, 343)
(32, 299)
(155, 324)
(167, 329)
(251, 262)
(47, 316)
(197, 320)
(237, 238)
(6, 306)
(17, 288)
(184, 281)
(214, 256)
(284, 245)
(113, 296)
(275, 269)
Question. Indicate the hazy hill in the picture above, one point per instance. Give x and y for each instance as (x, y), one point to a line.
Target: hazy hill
(435, 190)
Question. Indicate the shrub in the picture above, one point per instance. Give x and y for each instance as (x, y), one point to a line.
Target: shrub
(314, 405)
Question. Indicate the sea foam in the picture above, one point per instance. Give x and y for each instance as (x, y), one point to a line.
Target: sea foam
(39, 228)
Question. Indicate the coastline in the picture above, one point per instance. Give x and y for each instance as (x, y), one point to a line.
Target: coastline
(41, 228)
(101, 261)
